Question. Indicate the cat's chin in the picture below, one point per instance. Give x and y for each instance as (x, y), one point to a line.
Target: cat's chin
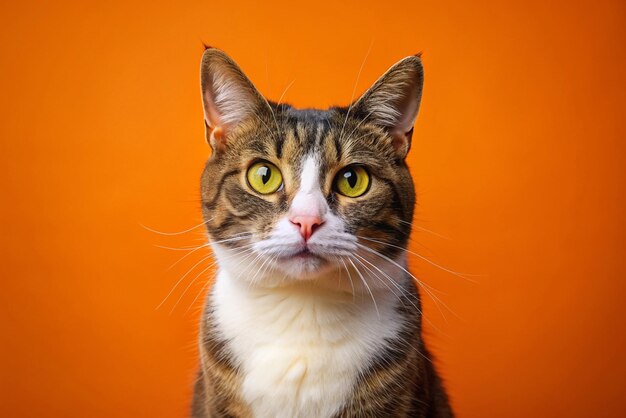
(303, 265)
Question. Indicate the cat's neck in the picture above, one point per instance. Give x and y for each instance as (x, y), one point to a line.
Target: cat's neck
(302, 339)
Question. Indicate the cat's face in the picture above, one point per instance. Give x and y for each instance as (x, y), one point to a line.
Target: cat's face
(292, 195)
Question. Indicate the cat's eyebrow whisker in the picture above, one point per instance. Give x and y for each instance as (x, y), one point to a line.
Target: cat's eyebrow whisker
(461, 275)
(366, 285)
(284, 92)
(275, 121)
(280, 99)
(358, 125)
(176, 233)
(358, 77)
(265, 124)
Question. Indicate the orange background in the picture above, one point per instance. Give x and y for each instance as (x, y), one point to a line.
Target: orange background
(518, 157)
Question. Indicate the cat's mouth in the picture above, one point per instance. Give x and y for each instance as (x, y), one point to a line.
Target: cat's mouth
(302, 262)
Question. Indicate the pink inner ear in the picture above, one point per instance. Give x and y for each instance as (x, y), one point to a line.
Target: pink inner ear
(215, 129)
(408, 114)
(211, 114)
(401, 140)
(217, 138)
(227, 95)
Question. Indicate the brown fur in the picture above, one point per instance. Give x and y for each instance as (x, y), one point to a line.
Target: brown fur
(402, 381)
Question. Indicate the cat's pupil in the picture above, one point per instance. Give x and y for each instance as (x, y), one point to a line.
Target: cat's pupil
(350, 177)
(265, 173)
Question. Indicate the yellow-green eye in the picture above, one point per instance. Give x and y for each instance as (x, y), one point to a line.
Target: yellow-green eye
(352, 181)
(264, 177)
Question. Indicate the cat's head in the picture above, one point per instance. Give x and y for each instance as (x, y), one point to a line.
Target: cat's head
(293, 195)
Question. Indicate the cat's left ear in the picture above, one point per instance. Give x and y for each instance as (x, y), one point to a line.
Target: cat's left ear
(228, 96)
(394, 100)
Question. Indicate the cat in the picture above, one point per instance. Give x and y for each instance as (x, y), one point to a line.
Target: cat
(313, 312)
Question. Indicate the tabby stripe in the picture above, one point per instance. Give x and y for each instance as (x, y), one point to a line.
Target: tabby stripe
(219, 185)
(395, 200)
(279, 142)
(338, 148)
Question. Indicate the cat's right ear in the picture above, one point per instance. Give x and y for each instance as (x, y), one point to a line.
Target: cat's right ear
(394, 101)
(228, 96)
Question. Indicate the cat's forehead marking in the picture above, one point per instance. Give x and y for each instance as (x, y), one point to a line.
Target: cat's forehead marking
(309, 176)
(310, 127)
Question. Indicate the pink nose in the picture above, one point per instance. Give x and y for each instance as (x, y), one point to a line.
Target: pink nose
(307, 224)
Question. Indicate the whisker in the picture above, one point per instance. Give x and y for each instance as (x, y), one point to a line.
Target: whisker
(235, 237)
(284, 92)
(421, 228)
(390, 279)
(258, 270)
(420, 256)
(373, 274)
(187, 273)
(366, 285)
(422, 284)
(268, 263)
(201, 292)
(345, 266)
(181, 279)
(176, 233)
(190, 284)
(358, 125)
(208, 283)
(243, 250)
(266, 125)
(206, 245)
(188, 254)
(358, 77)
(190, 248)
(275, 122)
(256, 257)
(404, 292)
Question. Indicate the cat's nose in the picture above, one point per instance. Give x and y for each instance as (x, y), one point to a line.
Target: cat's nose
(307, 224)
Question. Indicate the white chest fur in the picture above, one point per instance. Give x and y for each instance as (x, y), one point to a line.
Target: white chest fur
(300, 349)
